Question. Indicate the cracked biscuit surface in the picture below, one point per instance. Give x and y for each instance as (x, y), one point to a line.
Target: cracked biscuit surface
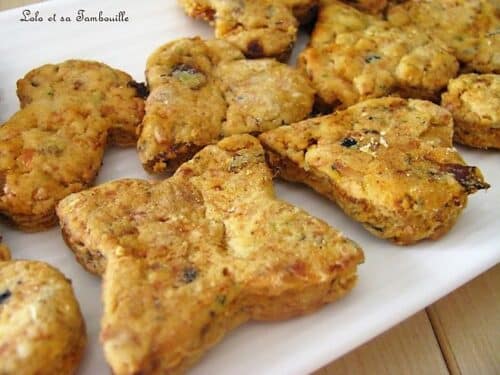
(115, 94)
(470, 28)
(211, 246)
(355, 56)
(41, 327)
(202, 91)
(474, 102)
(54, 145)
(372, 6)
(259, 28)
(388, 163)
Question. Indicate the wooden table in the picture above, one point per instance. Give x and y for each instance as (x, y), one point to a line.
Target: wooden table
(459, 334)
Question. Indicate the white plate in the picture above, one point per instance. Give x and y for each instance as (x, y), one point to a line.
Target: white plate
(394, 282)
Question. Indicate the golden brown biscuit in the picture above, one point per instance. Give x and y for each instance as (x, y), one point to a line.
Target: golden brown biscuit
(372, 6)
(54, 145)
(116, 95)
(49, 149)
(259, 28)
(203, 91)
(4, 251)
(41, 327)
(354, 56)
(474, 102)
(388, 163)
(211, 246)
(470, 28)
(262, 95)
(335, 18)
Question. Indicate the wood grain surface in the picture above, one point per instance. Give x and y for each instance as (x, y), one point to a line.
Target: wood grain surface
(467, 324)
(409, 348)
(459, 334)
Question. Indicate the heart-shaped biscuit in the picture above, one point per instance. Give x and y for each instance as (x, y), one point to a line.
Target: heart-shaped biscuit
(389, 163)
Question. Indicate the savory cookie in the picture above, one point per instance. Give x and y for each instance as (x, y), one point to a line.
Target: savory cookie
(54, 145)
(4, 251)
(470, 28)
(354, 56)
(388, 163)
(259, 28)
(202, 91)
(41, 327)
(117, 96)
(211, 246)
(372, 6)
(474, 102)
(335, 18)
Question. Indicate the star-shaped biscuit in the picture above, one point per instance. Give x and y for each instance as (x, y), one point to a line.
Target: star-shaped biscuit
(189, 258)
(259, 28)
(54, 145)
(355, 56)
(202, 91)
(41, 327)
(388, 163)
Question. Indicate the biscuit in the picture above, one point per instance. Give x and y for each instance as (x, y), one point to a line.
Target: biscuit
(204, 91)
(388, 163)
(470, 28)
(49, 149)
(474, 102)
(259, 28)
(54, 145)
(41, 327)
(117, 96)
(4, 251)
(335, 18)
(354, 56)
(372, 6)
(211, 246)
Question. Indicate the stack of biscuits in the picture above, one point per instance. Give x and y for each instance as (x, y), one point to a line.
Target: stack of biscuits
(367, 119)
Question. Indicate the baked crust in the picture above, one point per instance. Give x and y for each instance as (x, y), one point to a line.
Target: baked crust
(41, 327)
(371, 6)
(4, 251)
(211, 246)
(49, 149)
(469, 28)
(118, 98)
(202, 91)
(259, 28)
(355, 56)
(54, 145)
(388, 163)
(474, 102)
